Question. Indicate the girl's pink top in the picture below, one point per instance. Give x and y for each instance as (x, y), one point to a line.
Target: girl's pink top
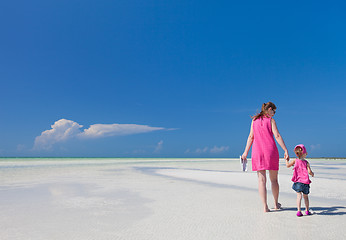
(265, 154)
(300, 172)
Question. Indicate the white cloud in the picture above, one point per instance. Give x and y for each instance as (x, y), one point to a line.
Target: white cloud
(315, 147)
(202, 150)
(61, 130)
(221, 149)
(215, 149)
(108, 130)
(138, 151)
(64, 129)
(158, 147)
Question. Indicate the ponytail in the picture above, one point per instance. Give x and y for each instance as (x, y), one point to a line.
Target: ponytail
(264, 109)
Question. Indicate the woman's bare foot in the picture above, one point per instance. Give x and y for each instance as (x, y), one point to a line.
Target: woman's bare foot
(266, 209)
(278, 206)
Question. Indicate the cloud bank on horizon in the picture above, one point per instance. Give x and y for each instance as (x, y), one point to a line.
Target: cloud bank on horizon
(63, 130)
(215, 149)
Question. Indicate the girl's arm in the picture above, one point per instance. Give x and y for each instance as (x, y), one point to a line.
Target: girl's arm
(309, 170)
(290, 164)
(248, 143)
(279, 139)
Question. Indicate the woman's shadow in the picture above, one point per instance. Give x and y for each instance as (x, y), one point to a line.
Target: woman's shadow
(335, 210)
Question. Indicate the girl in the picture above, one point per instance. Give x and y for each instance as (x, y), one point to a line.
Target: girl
(300, 177)
(265, 155)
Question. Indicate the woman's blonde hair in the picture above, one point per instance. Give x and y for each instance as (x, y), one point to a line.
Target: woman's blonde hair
(264, 110)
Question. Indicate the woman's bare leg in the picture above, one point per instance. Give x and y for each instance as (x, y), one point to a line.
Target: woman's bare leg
(262, 180)
(273, 175)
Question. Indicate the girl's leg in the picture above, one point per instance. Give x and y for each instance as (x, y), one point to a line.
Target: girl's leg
(262, 180)
(299, 200)
(306, 200)
(273, 175)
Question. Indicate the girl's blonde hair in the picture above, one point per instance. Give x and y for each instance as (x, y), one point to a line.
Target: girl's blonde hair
(263, 113)
(299, 152)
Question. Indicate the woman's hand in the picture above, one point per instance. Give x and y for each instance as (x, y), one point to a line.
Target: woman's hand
(287, 157)
(244, 156)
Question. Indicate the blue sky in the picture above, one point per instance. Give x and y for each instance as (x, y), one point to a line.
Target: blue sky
(169, 78)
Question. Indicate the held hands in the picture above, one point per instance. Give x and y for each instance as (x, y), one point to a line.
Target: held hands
(287, 157)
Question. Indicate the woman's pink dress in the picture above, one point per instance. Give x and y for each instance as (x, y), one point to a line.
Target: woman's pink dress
(265, 154)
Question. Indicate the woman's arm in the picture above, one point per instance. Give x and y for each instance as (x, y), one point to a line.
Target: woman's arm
(248, 143)
(279, 139)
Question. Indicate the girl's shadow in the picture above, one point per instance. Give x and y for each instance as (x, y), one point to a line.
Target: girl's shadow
(335, 210)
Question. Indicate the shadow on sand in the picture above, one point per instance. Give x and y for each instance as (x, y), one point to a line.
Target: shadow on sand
(335, 210)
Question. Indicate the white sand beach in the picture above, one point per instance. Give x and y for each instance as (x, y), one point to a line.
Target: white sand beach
(162, 199)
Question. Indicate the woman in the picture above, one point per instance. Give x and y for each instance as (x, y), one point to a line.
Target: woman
(265, 155)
